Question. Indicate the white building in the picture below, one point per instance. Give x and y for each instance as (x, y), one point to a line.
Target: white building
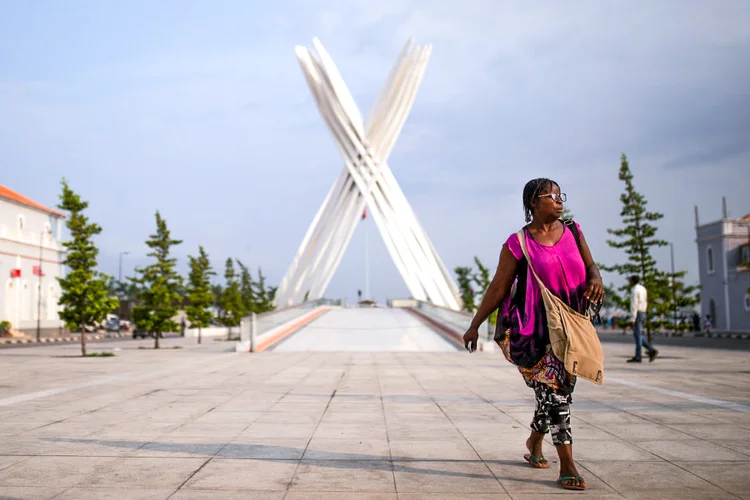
(30, 255)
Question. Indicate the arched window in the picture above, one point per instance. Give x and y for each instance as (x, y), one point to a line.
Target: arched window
(21, 222)
(710, 260)
(747, 301)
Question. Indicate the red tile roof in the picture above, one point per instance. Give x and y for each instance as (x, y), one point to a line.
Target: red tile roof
(11, 195)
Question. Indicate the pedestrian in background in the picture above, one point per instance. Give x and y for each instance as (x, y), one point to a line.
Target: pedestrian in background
(638, 307)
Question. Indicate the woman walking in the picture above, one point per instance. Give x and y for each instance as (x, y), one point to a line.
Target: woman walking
(561, 258)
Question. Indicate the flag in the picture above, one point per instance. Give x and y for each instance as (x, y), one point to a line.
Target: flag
(37, 271)
(364, 214)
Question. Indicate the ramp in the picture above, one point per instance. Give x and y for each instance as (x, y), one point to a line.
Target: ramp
(366, 330)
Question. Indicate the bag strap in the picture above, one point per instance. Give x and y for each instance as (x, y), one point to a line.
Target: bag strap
(522, 240)
(576, 234)
(574, 229)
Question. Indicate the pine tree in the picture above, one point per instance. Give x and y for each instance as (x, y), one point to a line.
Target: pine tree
(218, 291)
(199, 292)
(85, 298)
(161, 285)
(676, 296)
(231, 300)
(464, 278)
(247, 290)
(637, 238)
(264, 295)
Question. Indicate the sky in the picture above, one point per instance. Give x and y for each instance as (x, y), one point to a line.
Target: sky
(199, 110)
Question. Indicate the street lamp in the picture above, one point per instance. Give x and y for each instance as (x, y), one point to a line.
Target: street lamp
(119, 275)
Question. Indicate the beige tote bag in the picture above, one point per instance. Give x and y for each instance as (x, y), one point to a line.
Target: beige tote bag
(572, 335)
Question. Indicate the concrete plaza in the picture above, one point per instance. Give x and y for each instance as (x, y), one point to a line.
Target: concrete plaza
(203, 421)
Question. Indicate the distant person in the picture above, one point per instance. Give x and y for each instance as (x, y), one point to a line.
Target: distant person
(708, 323)
(569, 273)
(638, 307)
(182, 327)
(696, 322)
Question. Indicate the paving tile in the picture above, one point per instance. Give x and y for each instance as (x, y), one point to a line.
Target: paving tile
(29, 492)
(458, 449)
(334, 495)
(714, 431)
(340, 417)
(445, 477)
(344, 476)
(351, 431)
(186, 494)
(171, 447)
(611, 449)
(643, 432)
(519, 478)
(739, 446)
(144, 472)
(243, 474)
(695, 450)
(8, 460)
(277, 430)
(347, 449)
(66, 471)
(657, 479)
(228, 417)
(225, 430)
(265, 448)
(731, 476)
(450, 496)
(130, 493)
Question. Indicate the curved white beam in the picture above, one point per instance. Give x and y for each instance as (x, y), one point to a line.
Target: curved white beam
(366, 181)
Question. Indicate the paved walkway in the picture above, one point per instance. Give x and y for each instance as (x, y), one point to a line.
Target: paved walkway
(205, 422)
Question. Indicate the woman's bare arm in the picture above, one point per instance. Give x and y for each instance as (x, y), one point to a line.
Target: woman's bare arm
(499, 287)
(594, 285)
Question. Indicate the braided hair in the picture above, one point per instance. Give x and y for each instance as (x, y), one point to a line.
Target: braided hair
(534, 188)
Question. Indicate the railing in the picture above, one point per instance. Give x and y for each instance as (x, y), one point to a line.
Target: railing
(458, 321)
(258, 324)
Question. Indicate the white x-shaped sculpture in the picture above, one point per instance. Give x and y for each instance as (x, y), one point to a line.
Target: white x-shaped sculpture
(366, 181)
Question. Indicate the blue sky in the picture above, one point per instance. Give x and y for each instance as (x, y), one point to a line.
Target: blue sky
(199, 109)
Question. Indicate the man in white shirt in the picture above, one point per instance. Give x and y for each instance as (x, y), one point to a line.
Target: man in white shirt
(638, 306)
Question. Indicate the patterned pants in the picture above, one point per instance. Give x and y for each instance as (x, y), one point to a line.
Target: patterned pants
(552, 412)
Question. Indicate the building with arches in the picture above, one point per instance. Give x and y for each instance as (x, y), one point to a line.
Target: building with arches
(724, 270)
(31, 258)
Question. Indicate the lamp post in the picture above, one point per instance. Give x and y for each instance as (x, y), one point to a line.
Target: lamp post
(119, 274)
(674, 289)
(39, 293)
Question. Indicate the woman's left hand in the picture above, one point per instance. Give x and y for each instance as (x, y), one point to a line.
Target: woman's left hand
(594, 291)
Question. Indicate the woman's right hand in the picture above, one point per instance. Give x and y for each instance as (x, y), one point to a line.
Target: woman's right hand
(471, 338)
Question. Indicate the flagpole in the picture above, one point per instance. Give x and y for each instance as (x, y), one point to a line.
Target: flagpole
(367, 265)
(39, 293)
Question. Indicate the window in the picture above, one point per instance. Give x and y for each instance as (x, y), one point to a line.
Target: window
(710, 260)
(747, 301)
(21, 222)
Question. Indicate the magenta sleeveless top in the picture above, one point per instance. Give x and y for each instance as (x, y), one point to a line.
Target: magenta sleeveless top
(561, 269)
